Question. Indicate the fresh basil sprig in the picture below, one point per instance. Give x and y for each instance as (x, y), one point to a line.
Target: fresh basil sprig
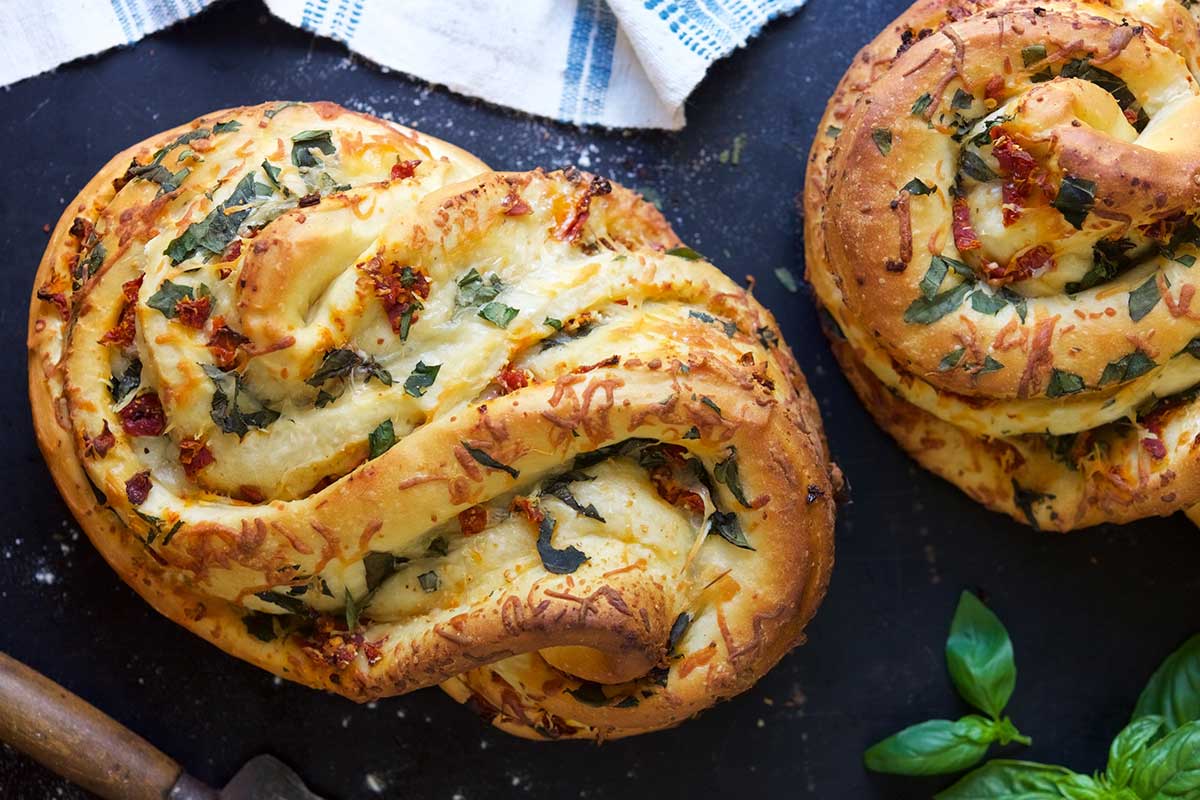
(1155, 757)
(979, 655)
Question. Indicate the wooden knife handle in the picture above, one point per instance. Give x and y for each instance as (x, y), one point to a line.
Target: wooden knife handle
(73, 738)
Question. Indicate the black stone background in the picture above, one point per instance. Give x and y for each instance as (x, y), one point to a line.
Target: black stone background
(1091, 614)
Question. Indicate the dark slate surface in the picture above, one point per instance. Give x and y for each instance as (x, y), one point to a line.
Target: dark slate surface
(1091, 615)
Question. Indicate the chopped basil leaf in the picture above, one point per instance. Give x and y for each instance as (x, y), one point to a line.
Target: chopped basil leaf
(726, 525)
(430, 582)
(1024, 500)
(1109, 257)
(918, 187)
(973, 166)
(260, 625)
(305, 140)
(986, 303)
(1033, 54)
(438, 546)
(341, 363)
(378, 567)
(422, 377)
(702, 316)
(1076, 196)
(155, 172)
(381, 439)
(475, 290)
(95, 259)
(927, 310)
(939, 267)
(272, 173)
(1188, 260)
(950, 360)
(678, 628)
(271, 112)
(167, 296)
(727, 473)
(1083, 69)
(962, 99)
(354, 610)
(1016, 300)
(1192, 348)
(553, 323)
(498, 314)
(788, 280)
(922, 104)
(560, 562)
(228, 126)
(227, 413)
(883, 140)
(708, 401)
(121, 385)
(683, 251)
(590, 694)
(833, 131)
(1064, 383)
(1127, 367)
(293, 605)
(485, 459)
(218, 229)
(560, 487)
(692, 433)
(1144, 298)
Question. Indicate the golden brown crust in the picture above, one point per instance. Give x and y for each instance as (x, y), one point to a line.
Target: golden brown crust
(277, 537)
(1000, 214)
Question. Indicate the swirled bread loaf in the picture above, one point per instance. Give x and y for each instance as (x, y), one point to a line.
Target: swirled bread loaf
(1001, 220)
(337, 398)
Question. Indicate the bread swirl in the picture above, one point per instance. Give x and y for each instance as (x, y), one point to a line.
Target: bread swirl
(340, 400)
(1001, 222)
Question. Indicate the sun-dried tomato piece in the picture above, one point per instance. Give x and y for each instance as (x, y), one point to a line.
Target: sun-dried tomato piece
(674, 492)
(1025, 265)
(400, 288)
(194, 455)
(514, 205)
(251, 494)
(58, 298)
(528, 508)
(224, 343)
(404, 169)
(137, 488)
(512, 379)
(965, 237)
(143, 416)
(193, 312)
(472, 520)
(98, 446)
(123, 332)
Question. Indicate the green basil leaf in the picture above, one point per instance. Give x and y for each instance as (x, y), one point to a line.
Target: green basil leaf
(560, 562)
(973, 166)
(1063, 383)
(833, 131)
(683, 251)
(927, 310)
(121, 385)
(272, 173)
(227, 127)
(1170, 769)
(1033, 54)
(382, 439)
(353, 610)
(727, 473)
(936, 747)
(939, 267)
(167, 296)
(986, 303)
(726, 525)
(227, 412)
(1075, 199)
(951, 359)
(962, 99)
(483, 458)
(918, 187)
(305, 141)
(378, 567)
(883, 140)
(422, 377)
(498, 314)
(218, 229)
(1127, 367)
(1174, 689)
(430, 582)
(1128, 747)
(1144, 298)
(1009, 780)
(560, 487)
(922, 104)
(553, 323)
(475, 290)
(980, 656)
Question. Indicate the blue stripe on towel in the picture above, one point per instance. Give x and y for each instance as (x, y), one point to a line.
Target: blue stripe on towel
(577, 53)
(600, 65)
(123, 21)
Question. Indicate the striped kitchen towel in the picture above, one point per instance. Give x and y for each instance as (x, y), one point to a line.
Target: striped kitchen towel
(618, 63)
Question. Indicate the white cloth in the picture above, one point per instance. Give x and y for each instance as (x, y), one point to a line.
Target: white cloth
(618, 63)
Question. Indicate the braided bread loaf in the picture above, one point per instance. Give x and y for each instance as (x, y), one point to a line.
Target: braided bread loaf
(338, 399)
(1001, 220)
